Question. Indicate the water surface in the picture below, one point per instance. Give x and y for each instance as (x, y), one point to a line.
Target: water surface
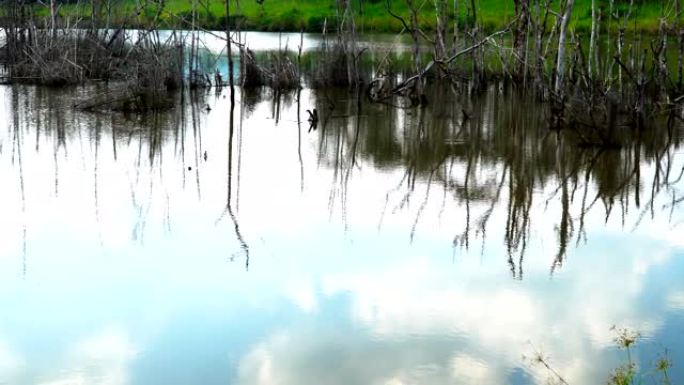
(386, 246)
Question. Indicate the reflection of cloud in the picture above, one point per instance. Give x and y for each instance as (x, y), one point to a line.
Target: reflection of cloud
(259, 363)
(302, 293)
(343, 357)
(415, 297)
(111, 345)
(415, 321)
(470, 370)
(659, 257)
(10, 362)
(676, 300)
(102, 359)
(72, 379)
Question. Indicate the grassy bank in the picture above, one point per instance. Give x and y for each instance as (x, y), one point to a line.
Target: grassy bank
(310, 15)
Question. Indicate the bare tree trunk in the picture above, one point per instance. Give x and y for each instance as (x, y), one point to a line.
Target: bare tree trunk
(592, 40)
(608, 69)
(53, 19)
(540, 29)
(109, 16)
(560, 62)
(663, 71)
(346, 33)
(193, 30)
(229, 53)
(351, 41)
(621, 40)
(620, 44)
(522, 13)
(680, 43)
(93, 14)
(477, 74)
(415, 34)
(440, 31)
(454, 47)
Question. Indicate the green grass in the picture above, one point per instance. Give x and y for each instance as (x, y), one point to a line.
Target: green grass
(310, 15)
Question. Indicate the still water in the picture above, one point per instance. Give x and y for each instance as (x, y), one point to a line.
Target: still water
(386, 246)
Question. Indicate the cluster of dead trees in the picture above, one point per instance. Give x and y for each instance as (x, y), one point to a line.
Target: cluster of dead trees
(613, 72)
(141, 65)
(615, 76)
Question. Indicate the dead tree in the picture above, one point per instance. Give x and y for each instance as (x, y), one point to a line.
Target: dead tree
(440, 29)
(522, 17)
(562, 38)
(416, 33)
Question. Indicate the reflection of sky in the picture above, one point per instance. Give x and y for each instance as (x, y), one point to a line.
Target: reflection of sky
(132, 275)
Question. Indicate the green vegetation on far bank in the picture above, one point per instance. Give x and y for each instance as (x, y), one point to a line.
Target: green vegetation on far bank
(371, 15)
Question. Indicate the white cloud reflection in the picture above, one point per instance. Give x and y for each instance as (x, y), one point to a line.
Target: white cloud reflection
(11, 363)
(416, 312)
(101, 359)
(469, 370)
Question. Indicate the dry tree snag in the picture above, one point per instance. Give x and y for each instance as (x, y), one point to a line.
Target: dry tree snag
(562, 38)
(521, 25)
(559, 89)
(346, 46)
(417, 93)
(407, 86)
(441, 15)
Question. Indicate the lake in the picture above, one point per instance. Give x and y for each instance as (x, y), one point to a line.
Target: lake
(451, 244)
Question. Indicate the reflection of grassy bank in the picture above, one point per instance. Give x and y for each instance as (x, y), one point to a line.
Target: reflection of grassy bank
(310, 15)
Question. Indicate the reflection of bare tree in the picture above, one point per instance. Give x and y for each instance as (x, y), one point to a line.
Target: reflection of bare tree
(229, 200)
(565, 226)
(145, 149)
(494, 152)
(17, 159)
(98, 132)
(340, 132)
(299, 139)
